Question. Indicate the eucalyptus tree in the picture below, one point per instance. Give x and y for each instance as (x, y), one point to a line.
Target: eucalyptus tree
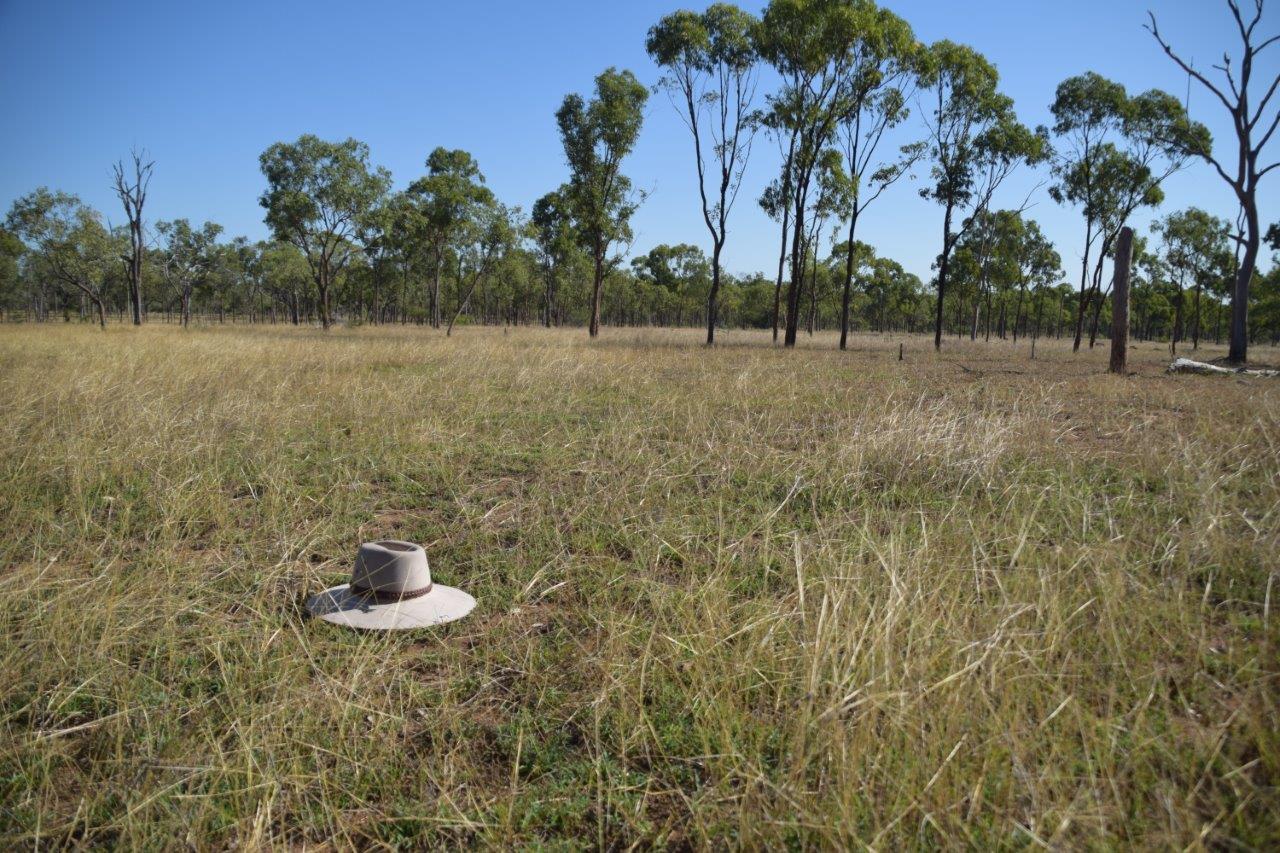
(1264, 316)
(1114, 153)
(551, 223)
(680, 273)
(808, 43)
(318, 193)
(70, 240)
(1010, 258)
(894, 293)
(11, 252)
(974, 142)
(1014, 258)
(775, 201)
(881, 72)
(1150, 292)
(285, 275)
(388, 236)
(488, 234)
(188, 258)
(132, 192)
(597, 135)
(710, 64)
(516, 283)
(1038, 265)
(1196, 250)
(1254, 127)
(450, 199)
(248, 264)
(864, 258)
(1087, 109)
(834, 198)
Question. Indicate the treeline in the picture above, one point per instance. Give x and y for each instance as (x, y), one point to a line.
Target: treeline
(847, 75)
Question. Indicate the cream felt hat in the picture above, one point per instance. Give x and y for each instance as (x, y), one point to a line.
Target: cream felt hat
(390, 589)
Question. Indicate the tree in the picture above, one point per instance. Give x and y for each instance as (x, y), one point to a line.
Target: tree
(284, 274)
(189, 258)
(884, 56)
(1196, 251)
(1038, 266)
(975, 142)
(1115, 151)
(486, 237)
(1264, 314)
(680, 273)
(834, 197)
(710, 61)
(132, 193)
(597, 135)
(386, 240)
(450, 198)
(317, 194)
(11, 252)
(1008, 257)
(1250, 124)
(807, 42)
(70, 239)
(553, 233)
(775, 201)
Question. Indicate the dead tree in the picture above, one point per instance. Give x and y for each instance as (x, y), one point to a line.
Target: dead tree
(1249, 125)
(132, 193)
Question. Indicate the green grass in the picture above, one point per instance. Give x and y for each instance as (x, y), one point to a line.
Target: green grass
(740, 596)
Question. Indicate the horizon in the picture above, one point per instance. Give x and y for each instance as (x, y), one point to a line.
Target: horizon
(204, 117)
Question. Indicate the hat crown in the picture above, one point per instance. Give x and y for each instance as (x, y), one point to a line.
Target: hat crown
(391, 566)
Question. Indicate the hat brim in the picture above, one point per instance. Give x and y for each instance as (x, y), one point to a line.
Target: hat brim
(341, 606)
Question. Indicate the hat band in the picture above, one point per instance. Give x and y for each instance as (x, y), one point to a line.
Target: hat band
(386, 596)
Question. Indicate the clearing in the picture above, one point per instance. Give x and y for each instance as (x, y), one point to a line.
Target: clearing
(742, 594)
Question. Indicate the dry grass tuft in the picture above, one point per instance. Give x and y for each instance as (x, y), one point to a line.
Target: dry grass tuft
(772, 598)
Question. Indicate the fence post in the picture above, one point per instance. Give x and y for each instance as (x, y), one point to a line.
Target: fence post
(1120, 301)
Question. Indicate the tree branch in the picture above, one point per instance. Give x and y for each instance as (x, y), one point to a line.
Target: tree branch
(1155, 32)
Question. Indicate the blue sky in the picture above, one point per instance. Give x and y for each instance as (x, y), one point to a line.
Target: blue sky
(206, 87)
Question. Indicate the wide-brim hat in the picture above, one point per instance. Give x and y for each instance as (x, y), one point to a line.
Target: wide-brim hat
(390, 589)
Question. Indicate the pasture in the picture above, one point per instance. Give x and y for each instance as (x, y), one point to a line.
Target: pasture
(746, 595)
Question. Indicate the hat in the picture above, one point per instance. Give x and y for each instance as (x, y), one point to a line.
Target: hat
(390, 589)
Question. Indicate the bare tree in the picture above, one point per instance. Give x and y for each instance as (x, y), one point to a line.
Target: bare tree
(133, 195)
(1249, 124)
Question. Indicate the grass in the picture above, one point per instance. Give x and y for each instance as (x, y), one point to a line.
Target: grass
(739, 596)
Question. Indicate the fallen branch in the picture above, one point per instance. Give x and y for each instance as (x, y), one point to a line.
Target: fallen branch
(1186, 365)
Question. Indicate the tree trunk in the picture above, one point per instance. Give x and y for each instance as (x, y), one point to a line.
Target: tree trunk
(1035, 334)
(1238, 351)
(546, 317)
(1195, 323)
(596, 285)
(1084, 280)
(1017, 311)
(813, 287)
(1097, 315)
(942, 276)
(797, 273)
(1177, 322)
(1120, 301)
(782, 252)
(435, 291)
(848, 280)
(135, 270)
(715, 292)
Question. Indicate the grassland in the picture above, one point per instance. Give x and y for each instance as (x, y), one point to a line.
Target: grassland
(742, 596)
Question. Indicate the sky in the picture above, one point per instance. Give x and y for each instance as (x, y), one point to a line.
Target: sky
(206, 87)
